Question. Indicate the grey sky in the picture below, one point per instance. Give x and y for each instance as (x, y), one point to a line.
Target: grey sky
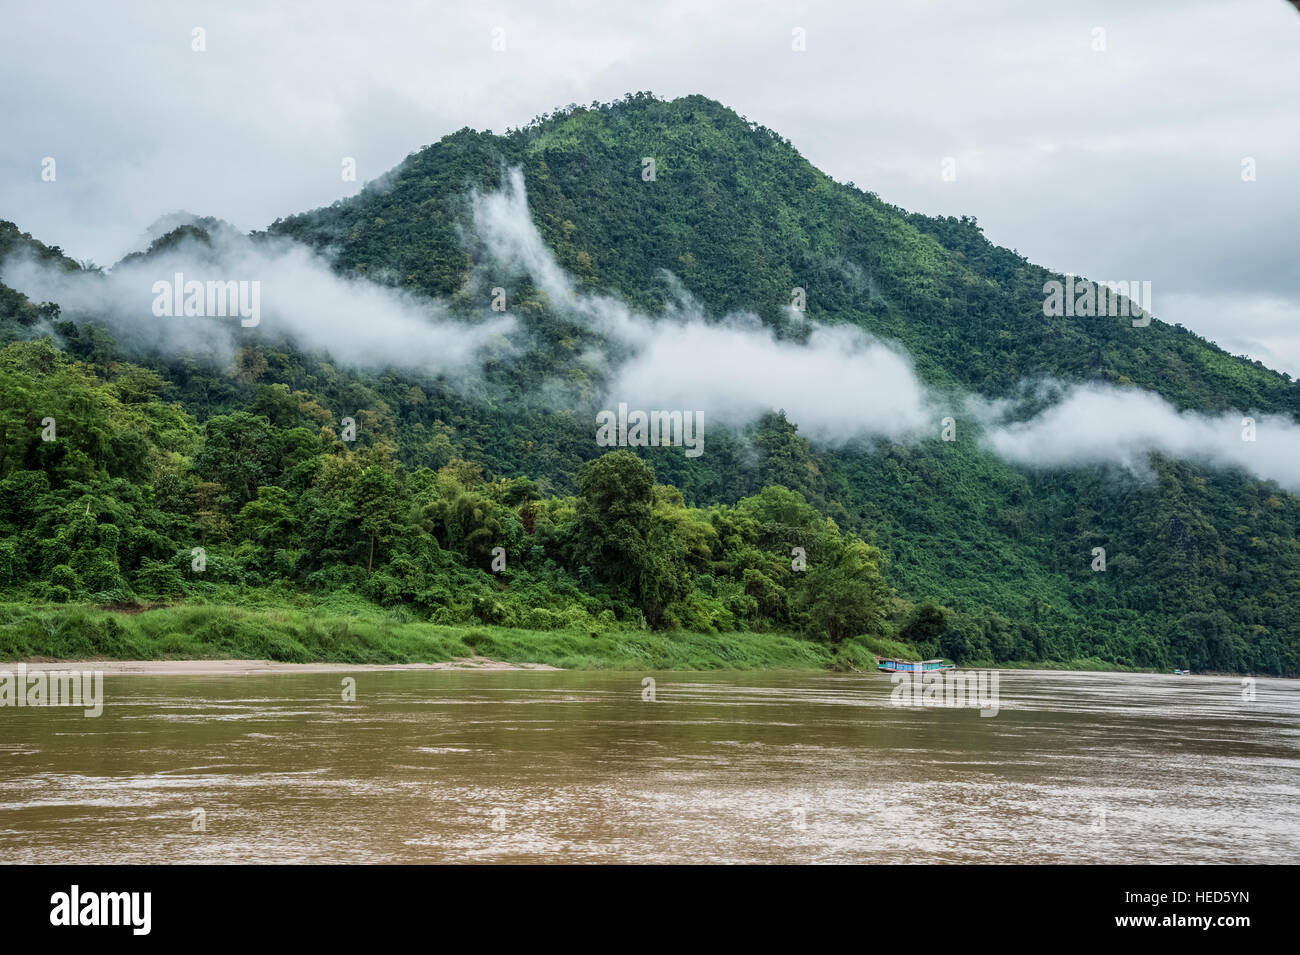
(1116, 164)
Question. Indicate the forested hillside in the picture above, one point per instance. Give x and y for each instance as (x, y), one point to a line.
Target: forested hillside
(940, 545)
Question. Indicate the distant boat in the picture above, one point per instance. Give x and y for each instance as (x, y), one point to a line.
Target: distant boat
(912, 666)
(1182, 672)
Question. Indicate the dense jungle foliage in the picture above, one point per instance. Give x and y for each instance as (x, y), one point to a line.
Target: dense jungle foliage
(939, 546)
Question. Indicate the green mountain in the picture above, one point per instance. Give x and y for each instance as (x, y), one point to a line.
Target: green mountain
(940, 545)
(741, 218)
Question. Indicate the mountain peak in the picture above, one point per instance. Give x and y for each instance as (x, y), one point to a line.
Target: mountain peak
(626, 191)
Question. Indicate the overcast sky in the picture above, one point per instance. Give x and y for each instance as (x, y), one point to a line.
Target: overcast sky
(1115, 163)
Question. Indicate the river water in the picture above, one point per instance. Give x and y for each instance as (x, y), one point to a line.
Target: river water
(535, 766)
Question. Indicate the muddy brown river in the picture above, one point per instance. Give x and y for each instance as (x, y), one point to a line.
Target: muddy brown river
(531, 766)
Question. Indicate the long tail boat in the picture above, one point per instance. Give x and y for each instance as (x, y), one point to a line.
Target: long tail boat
(912, 666)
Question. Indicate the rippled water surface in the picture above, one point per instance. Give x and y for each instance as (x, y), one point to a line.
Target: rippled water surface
(532, 766)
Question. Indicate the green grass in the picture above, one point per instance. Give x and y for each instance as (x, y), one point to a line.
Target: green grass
(293, 635)
(892, 649)
(356, 632)
(1080, 664)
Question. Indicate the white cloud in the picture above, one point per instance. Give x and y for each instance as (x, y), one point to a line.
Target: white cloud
(1123, 163)
(356, 321)
(843, 384)
(838, 385)
(1101, 424)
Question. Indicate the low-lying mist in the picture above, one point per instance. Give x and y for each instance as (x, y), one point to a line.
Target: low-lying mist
(358, 322)
(837, 383)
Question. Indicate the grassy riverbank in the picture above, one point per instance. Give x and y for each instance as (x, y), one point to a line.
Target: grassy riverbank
(345, 633)
(296, 635)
